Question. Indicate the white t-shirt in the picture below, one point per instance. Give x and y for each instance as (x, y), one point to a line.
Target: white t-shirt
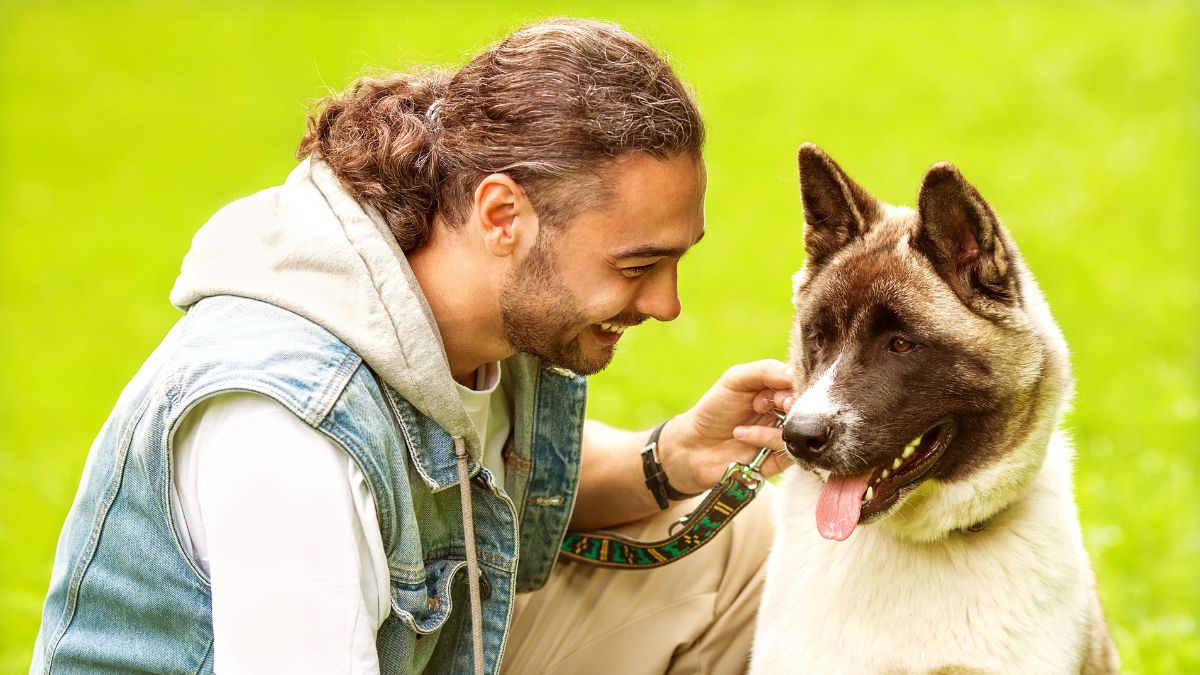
(487, 406)
(282, 521)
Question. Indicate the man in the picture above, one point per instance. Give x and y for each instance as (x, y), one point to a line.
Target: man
(366, 436)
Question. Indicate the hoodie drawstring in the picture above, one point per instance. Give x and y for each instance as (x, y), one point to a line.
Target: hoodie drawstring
(468, 518)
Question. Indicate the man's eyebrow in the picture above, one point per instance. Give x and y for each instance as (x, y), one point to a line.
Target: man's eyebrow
(652, 251)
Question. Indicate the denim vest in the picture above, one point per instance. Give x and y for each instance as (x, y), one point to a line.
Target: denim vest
(124, 596)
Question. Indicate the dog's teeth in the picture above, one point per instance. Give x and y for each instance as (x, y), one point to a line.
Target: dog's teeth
(885, 473)
(870, 493)
(908, 452)
(896, 463)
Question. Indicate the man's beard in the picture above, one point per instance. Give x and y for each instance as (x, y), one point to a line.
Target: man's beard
(539, 315)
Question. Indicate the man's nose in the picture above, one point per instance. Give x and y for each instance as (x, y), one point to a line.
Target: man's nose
(660, 297)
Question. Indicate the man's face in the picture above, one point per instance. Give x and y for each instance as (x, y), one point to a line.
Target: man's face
(607, 268)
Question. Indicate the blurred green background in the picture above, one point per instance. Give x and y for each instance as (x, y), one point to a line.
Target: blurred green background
(123, 126)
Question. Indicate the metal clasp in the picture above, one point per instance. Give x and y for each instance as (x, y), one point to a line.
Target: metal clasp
(750, 474)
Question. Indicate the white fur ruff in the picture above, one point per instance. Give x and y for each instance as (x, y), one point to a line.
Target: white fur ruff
(1013, 598)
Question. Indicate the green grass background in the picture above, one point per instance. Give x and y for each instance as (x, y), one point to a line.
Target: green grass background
(124, 125)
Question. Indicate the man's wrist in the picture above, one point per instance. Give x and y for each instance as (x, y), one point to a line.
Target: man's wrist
(672, 454)
(655, 479)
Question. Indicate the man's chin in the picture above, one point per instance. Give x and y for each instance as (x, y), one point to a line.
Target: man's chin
(596, 365)
(582, 361)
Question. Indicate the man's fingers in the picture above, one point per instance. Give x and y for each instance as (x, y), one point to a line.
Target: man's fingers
(760, 437)
(764, 374)
(766, 437)
(771, 399)
(777, 462)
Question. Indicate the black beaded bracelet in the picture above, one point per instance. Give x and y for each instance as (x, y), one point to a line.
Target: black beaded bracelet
(656, 478)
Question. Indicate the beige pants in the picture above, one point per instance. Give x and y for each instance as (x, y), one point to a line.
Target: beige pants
(695, 615)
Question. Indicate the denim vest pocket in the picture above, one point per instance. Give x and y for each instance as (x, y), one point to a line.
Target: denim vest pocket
(424, 606)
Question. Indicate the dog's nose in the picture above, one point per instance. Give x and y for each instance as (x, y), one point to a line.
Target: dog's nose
(807, 435)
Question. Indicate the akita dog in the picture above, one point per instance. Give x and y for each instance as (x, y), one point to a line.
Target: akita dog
(930, 380)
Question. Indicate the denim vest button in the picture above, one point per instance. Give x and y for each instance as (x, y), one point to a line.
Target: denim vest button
(485, 587)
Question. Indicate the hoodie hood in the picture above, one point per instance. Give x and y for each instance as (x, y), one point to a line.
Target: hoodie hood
(308, 247)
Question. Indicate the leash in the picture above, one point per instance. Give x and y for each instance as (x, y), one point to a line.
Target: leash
(734, 492)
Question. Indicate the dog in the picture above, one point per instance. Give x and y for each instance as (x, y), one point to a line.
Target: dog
(930, 385)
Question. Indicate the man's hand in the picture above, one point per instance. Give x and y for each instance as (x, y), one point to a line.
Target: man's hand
(728, 424)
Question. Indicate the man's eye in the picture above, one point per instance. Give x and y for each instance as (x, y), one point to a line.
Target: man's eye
(638, 271)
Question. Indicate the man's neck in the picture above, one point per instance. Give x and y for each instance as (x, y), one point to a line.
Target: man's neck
(464, 306)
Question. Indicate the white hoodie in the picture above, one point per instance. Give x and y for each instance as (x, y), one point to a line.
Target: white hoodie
(307, 246)
(310, 248)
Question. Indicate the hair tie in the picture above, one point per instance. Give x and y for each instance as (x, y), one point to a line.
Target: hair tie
(431, 113)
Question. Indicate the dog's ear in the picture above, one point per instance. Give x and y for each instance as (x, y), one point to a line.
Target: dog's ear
(836, 209)
(962, 237)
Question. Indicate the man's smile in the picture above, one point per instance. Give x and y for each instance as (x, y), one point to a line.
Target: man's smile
(607, 334)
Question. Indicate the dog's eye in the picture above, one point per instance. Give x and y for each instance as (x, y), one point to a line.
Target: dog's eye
(900, 345)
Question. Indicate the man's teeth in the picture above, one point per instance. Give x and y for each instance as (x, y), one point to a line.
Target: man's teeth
(905, 455)
(612, 328)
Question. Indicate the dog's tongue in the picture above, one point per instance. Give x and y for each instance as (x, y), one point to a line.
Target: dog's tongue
(839, 504)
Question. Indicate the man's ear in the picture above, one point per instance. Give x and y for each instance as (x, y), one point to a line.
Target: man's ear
(506, 219)
(962, 237)
(836, 209)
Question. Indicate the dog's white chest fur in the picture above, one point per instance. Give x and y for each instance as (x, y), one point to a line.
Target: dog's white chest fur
(1013, 598)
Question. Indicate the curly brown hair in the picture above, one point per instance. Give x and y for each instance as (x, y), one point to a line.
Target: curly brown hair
(550, 105)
